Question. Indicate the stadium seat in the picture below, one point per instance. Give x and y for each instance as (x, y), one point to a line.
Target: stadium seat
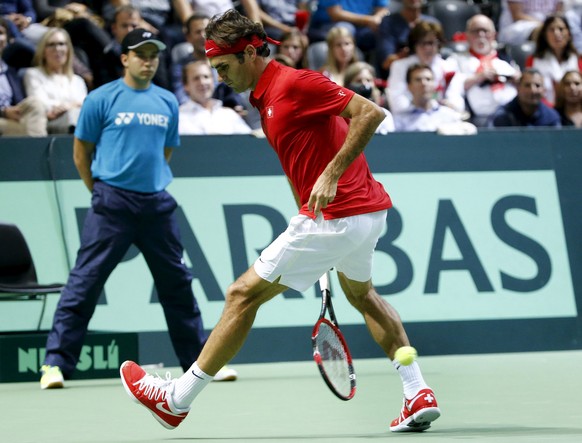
(18, 280)
(453, 15)
(520, 53)
(316, 55)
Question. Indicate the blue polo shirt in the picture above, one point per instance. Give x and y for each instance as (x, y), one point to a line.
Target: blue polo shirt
(130, 128)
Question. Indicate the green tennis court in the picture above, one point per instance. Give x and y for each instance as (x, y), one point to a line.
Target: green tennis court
(533, 397)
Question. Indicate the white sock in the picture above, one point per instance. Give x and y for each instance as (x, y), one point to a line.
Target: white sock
(189, 385)
(412, 380)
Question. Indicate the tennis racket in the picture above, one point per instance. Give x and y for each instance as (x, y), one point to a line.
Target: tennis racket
(330, 350)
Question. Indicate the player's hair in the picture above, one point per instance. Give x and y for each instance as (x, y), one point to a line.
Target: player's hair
(230, 27)
(416, 67)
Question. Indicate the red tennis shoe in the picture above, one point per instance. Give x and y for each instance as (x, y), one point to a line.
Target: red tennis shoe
(417, 413)
(153, 392)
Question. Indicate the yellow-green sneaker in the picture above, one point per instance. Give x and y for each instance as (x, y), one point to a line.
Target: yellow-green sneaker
(52, 377)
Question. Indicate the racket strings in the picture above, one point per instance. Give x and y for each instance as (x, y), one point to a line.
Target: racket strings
(334, 359)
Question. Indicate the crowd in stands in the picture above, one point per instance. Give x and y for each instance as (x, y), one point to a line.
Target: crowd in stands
(514, 64)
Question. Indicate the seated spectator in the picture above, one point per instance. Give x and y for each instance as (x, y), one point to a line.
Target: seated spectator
(191, 50)
(294, 45)
(341, 52)
(53, 82)
(520, 18)
(424, 42)
(202, 114)
(555, 54)
(23, 20)
(527, 108)
(360, 77)
(487, 80)
(361, 18)
(166, 17)
(125, 19)
(569, 99)
(393, 32)
(425, 113)
(19, 116)
(85, 28)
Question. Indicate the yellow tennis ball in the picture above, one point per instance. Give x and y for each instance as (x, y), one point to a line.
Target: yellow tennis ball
(405, 355)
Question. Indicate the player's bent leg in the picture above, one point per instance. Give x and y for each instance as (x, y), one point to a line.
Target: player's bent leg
(381, 318)
(243, 299)
(420, 407)
(169, 400)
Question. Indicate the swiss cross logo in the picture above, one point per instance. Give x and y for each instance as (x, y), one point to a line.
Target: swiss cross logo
(341, 94)
(270, 112)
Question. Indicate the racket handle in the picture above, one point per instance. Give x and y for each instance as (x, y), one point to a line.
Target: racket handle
(324, 282)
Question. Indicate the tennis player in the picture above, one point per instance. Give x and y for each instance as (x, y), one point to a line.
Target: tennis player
(319, 131)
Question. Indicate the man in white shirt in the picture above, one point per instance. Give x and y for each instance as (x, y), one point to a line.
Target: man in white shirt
(202, 114)
(426, 114)
(487, 81)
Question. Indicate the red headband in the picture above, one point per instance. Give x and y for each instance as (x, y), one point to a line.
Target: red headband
(213, 50)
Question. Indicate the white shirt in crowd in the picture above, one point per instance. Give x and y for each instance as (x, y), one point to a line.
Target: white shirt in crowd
(399, 97)
(54, 89)
(426, 120)
(553, 71)
(485, 99)
(198, 120)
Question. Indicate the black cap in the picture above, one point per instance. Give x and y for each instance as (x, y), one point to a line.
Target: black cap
(139, 37)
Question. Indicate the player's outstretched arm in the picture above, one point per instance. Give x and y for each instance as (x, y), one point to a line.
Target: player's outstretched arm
(365, 117)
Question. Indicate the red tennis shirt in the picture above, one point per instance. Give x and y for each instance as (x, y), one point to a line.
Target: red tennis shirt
(300, 117)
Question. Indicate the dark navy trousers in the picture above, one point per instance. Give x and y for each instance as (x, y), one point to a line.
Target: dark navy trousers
(116, 220)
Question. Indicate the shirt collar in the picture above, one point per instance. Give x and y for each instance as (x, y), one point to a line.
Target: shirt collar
(264, 81)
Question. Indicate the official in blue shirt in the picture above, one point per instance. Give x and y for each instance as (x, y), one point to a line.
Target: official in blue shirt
(126, 132)
(527, 109)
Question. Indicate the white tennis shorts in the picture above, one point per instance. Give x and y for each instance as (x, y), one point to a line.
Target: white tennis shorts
(308, 248)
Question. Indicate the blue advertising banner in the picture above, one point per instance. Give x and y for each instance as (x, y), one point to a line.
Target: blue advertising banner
(482, 251)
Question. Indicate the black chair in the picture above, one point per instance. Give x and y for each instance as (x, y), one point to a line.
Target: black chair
(520, 53)
(453, 15)
(18, 280)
